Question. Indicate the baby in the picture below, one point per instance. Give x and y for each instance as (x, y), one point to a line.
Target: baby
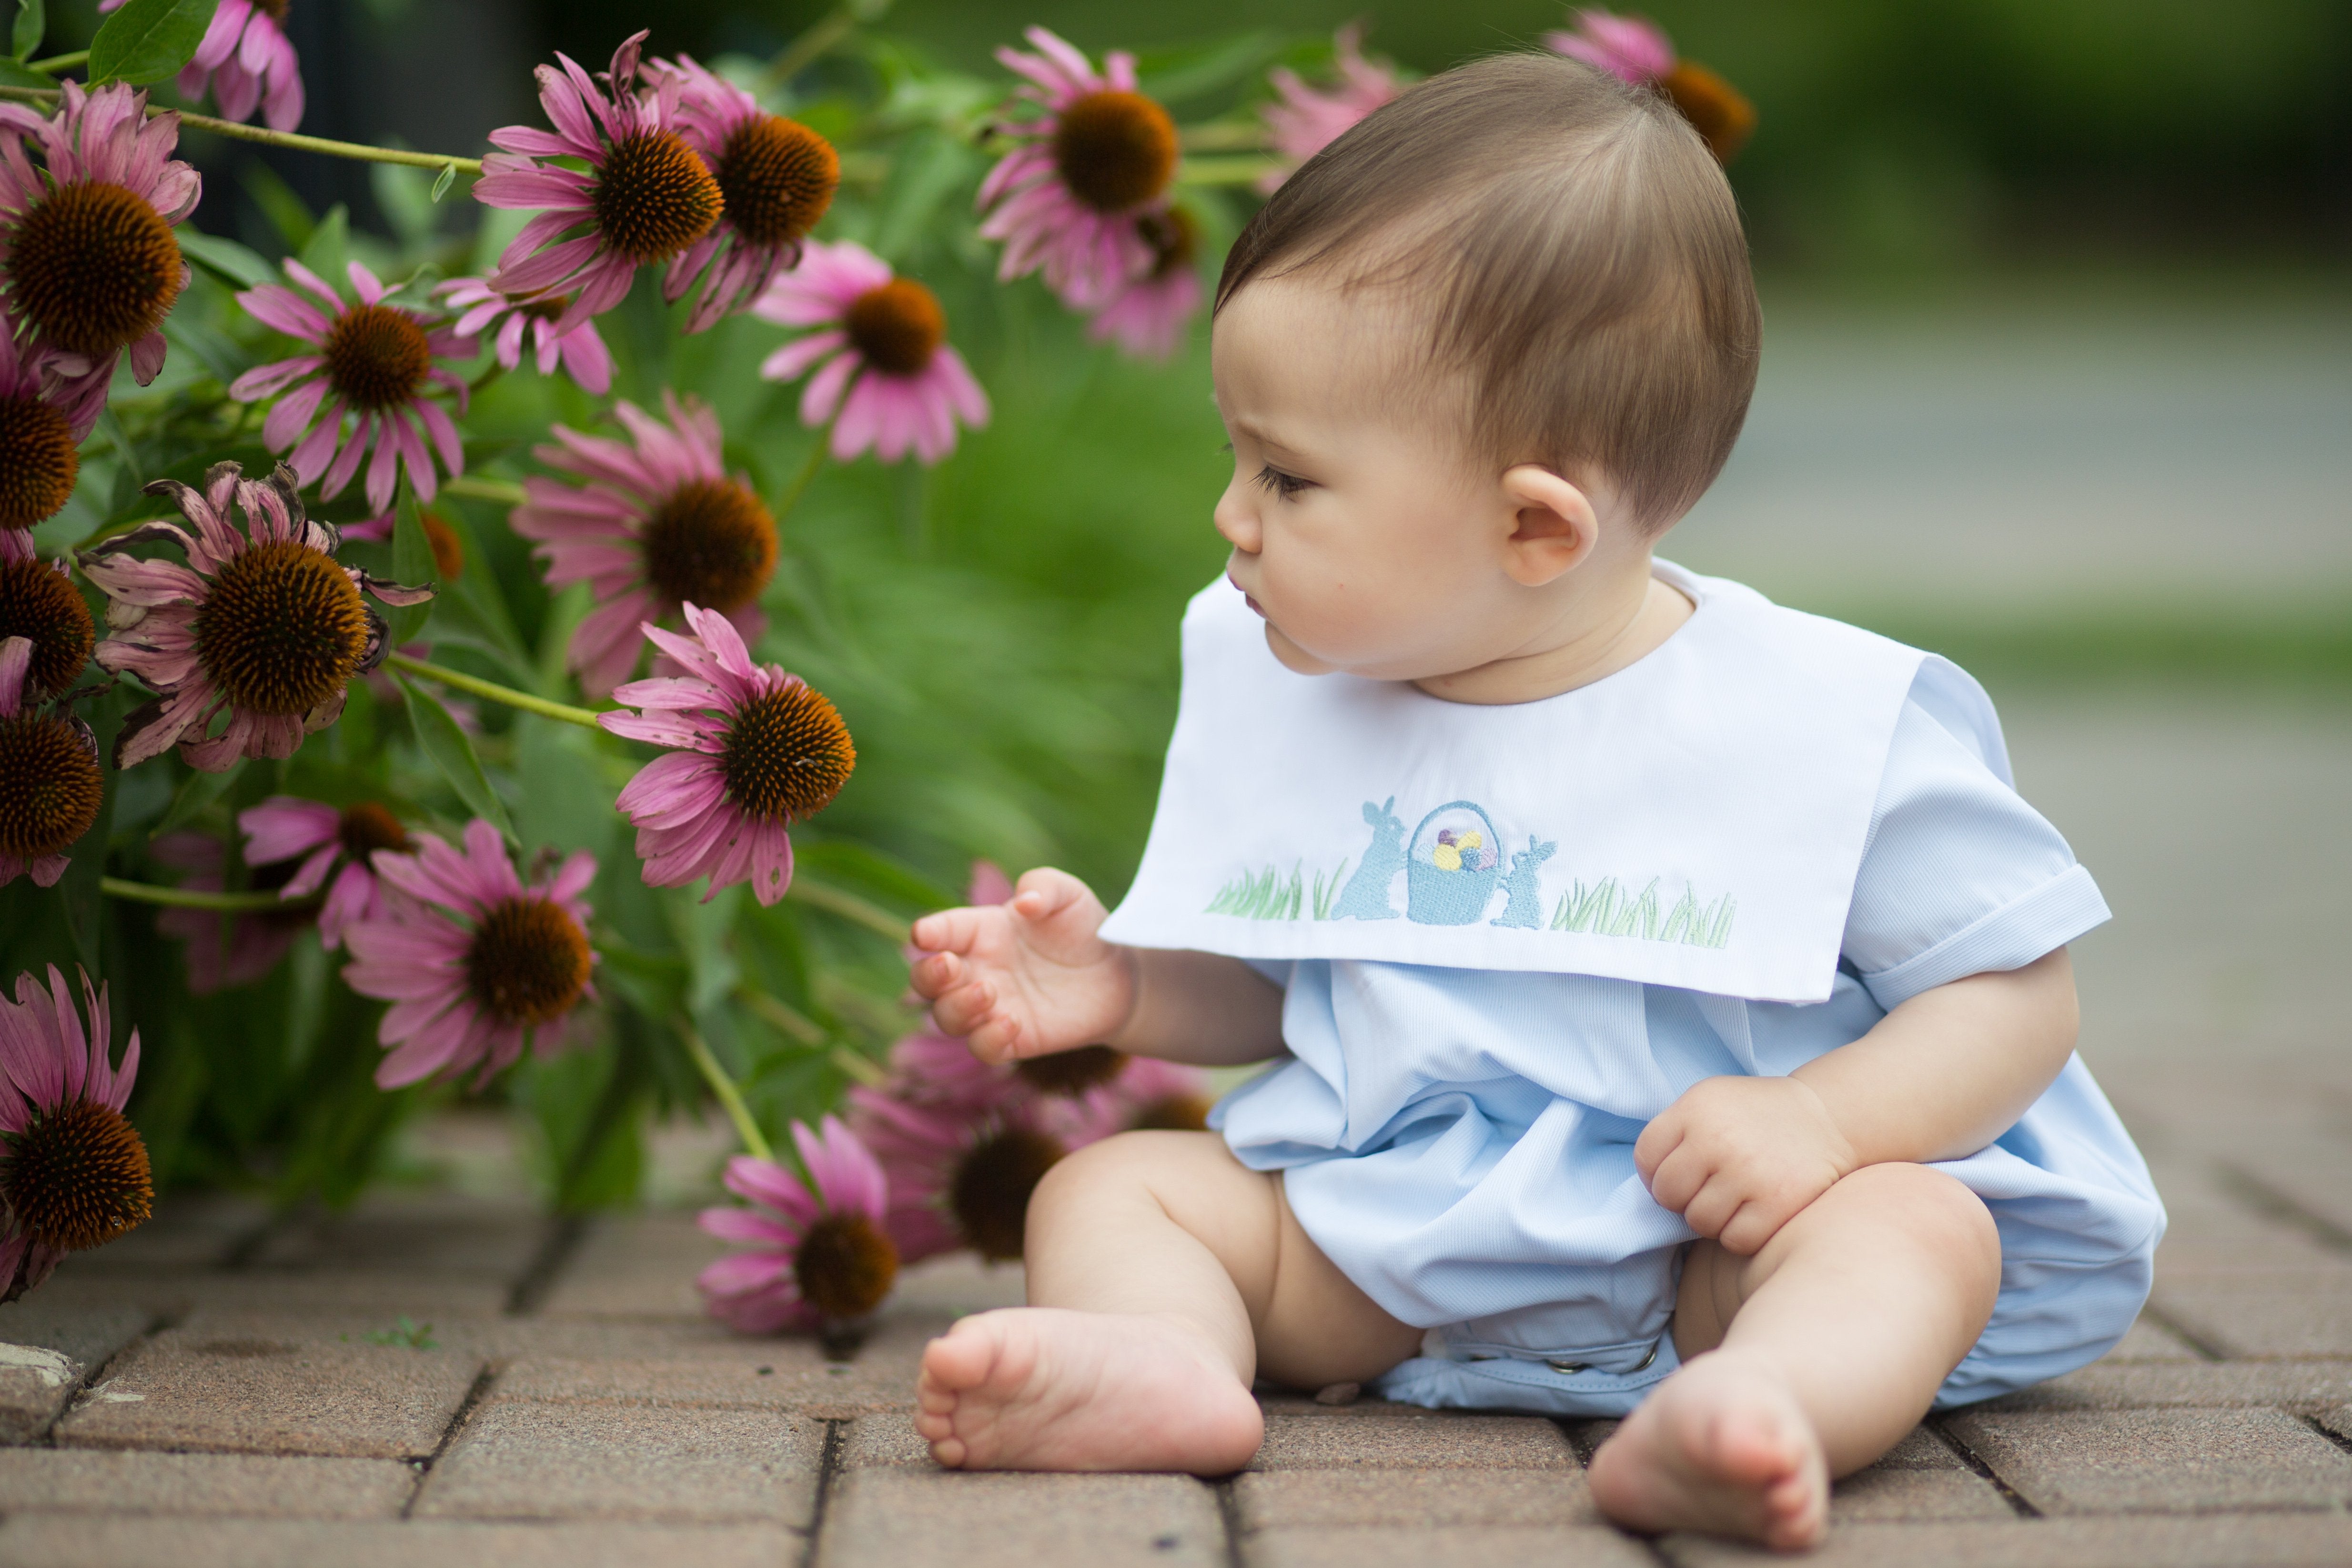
(1669, 991)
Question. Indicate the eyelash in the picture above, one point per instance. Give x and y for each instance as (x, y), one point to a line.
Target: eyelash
(1282, 485)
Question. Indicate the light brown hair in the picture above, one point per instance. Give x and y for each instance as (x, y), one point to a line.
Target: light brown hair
(1582, 254)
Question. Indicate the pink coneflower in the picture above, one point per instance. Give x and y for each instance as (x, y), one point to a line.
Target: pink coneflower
(285, 827)
(644, 198)
(44, 419)
(247, 59)
(86, 252)
(1147, 318)
(1635, 49)
(474, 962)
(822, 1254)
(578, 348)
(962, 1176)
(378, 362)
(1309, 120)
(227, 950)
(758, 751)
(73, 1172)
(887, 372)
(266, 623)
(1066, 199)
(50, 785)
(777, 177)
(658, 525)
(39, 602)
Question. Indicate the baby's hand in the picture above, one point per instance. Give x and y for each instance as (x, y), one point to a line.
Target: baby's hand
(1739, 1157)
(1027, 977)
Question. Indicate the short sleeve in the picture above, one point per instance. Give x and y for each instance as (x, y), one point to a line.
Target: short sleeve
(1959, 876)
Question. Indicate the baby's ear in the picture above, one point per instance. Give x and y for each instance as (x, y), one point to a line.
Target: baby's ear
(1555, 527)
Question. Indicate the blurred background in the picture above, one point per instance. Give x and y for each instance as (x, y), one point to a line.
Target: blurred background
(2058, 380)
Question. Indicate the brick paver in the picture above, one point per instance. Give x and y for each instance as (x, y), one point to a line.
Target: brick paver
(438, 1379)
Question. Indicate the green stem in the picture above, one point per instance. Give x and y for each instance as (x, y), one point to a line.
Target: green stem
(488, 376)
(810, 47)
(268, 138)
(188, 898)
(849, 907)
(786, 1019)
(476, 687)
(807, 476)
(502, 491)
(57, 63)
(730, 1097)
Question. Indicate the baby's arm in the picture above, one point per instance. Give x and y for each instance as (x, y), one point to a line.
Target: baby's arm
(1939, 1077)
(1030, 977)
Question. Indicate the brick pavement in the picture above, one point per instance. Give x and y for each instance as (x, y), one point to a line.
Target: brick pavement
(237, 1391)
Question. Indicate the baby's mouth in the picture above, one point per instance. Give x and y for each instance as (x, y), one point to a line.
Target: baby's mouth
(1253, 603)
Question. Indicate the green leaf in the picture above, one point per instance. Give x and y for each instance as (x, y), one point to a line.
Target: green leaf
(412, 567)
(286, 211)
(330, 245)
(226, 259)
(441, 185)
(32, 21)
(196, 792)
(452, 754)
(148, 40)
(1174, 76)
(85, 910)
(13, 74)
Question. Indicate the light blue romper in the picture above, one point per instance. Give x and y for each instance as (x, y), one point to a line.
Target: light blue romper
(1460, 1141)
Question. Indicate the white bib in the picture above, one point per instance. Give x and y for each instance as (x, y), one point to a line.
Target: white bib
(1695, 820)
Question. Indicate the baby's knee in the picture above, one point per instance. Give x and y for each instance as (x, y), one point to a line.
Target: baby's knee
(1125, 1165)
(1938, 1213)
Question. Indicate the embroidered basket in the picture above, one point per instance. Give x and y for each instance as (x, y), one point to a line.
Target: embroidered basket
(1441, 894)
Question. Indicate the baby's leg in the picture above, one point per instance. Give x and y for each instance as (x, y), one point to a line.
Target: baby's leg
(1162, 1272)
(1806, 1361)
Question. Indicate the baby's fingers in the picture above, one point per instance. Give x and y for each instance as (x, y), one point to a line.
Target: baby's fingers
(949, 931)
(935, 974)
(965, 1009)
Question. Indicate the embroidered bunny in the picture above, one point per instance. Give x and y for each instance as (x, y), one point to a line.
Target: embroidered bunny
(1367, 895)
(1525, 885)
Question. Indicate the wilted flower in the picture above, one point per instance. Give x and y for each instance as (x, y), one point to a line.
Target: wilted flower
(1147, 317)
(266, 623)
(821, 1256)
(757, 750)
(283, 827)
(1067, 198)
(474, 963)
(1308, 118)
(247, 60)
(1637, 50)
(644, 198)
(579, 347)
(377, 362)
(43, 418)
(73, 1172)
(224, 952)
(86, 247)
(51, 787)
(888, 379)
(658, 525)
(777, 177)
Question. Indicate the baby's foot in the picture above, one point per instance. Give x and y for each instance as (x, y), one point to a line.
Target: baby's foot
(1036, 1388)
(1722, 1446)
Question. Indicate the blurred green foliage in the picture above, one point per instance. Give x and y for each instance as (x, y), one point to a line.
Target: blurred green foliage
(1931, 133)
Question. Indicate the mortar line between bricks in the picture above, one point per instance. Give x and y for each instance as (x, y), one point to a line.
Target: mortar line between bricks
(2182, 1332)
(1229, 1516)
(828, 1471)
(466, 1408)
(538, 1278)
(47, 1437)
(1975, 1461)
(2251, 1191)
(2325, 1430)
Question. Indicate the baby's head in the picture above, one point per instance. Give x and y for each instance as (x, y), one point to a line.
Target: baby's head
(1475, 357)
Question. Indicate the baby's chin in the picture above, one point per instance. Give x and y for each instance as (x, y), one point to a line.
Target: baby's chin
(1292, 657)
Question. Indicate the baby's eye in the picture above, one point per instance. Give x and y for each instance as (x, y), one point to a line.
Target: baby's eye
(1281, 484)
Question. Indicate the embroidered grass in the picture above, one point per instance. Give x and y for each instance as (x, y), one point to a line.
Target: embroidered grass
(1270, 894)
(1604, 909)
